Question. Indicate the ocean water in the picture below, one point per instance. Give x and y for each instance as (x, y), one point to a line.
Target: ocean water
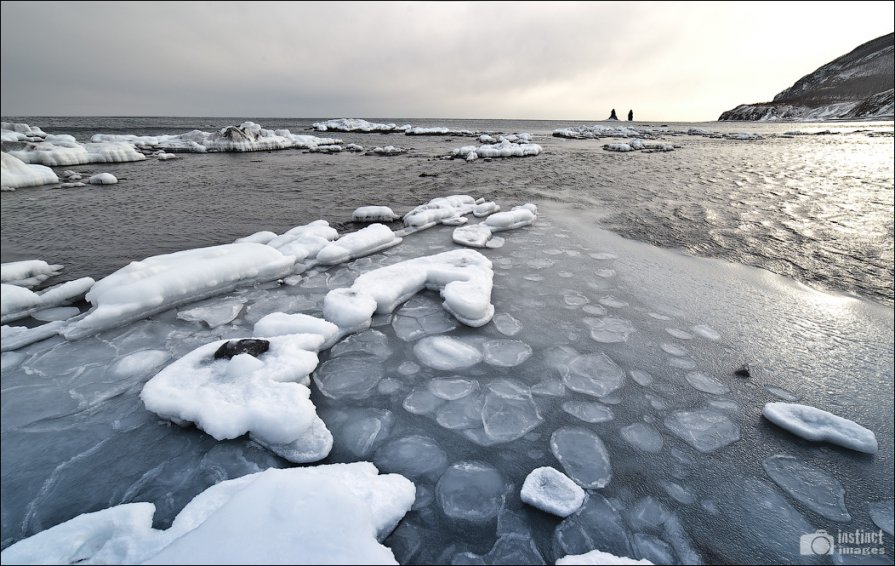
(815, 324)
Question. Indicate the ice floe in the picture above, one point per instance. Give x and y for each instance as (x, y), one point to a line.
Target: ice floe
(27, 273)
(357, 125)
(643, 437)
(593, 374)
(247, 136)
(882, 515)
(161, 282)
(63, 150)
(374, 214)
(481, 235)
(264, 395)
(816, 424)
(261, 517)
(15, 173)
(703, 429)
(552, 491)
(12, 132)
(471, 491)
(446, 353)
(464, 278)
(817, 489)
(18, 302)
(504, 148)
(368, 240)
(444, 210)
(583, 456)
(387, 151)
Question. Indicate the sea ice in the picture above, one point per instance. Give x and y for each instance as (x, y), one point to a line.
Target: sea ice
(509, 412)
(373, 214)
(819, 425)
(471, 491)
(593, 374)
(510, 220)
(56, 313)
(18, 302)
(507, 324)
(597, 524)
(452, 388)
(103, 179)
(474, 235)
(706, 383)
(281, 324)
(552, 491)
(164, 281)
(15, 173)
(441, 209)
(261, 517)
(64, 150)
(213, 313)
(463, 276)
(369, 240)
(588, 411)
(506, 353)
(356, 125)
(583, 456)
(485, 208)
(882, 515)
(416, 457)
(349, 377)
(263, 396)
(609, 329)
(446, 353)
(503, 148)
(27, 273)
(598, 557)
(815, 488)
(703, 429)
(643, 437)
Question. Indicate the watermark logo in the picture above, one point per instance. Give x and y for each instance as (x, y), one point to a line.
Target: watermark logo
(852, 543)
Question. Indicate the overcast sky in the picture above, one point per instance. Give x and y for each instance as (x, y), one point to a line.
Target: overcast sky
(667, 61)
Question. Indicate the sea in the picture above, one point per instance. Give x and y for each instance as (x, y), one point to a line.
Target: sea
(623, 314)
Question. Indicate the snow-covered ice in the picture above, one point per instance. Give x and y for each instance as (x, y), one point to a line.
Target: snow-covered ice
(368, 240)
(503, 148)
(266, 396)
(18, 302)
(15, 173)
(356, 125)
(63, 150)
(373, 214)
(336, 514)
(816, 424)
(599, 557)
(27, 273)
(446, 353)
(552, 491)
(103, 179)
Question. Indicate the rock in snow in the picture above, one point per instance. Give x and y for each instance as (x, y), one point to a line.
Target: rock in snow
(335, 514)
(819, 425)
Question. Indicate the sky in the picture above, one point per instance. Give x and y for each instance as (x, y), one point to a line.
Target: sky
(672, 61)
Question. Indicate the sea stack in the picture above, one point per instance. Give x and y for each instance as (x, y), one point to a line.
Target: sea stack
(612, 115)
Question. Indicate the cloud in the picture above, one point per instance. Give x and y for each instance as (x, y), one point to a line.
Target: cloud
(685, 61)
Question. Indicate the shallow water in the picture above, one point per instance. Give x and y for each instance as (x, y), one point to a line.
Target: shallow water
(594, 335)
(817, 208)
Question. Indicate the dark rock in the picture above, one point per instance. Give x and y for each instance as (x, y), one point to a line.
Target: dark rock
(630, 115)
(251, 346)
(428, 174)
(744, 371)
(612, 116)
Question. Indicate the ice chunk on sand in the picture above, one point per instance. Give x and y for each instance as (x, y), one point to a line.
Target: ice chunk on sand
(160, 282)
(446, 353)
(593, 374)
(503, 148)
(583, 456)
(703, 429)
(27, 273)
(259, 395)
(552, 491)
(369, 240)
(15, 173)
(373, 214)
(471, 491)
(598, 557)
(463, 276)
(18, 302)
(815, 488)
(261, 517)
(815, 424)
(103, 179)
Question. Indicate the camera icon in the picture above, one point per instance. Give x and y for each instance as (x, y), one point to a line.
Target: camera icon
(818, 543)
